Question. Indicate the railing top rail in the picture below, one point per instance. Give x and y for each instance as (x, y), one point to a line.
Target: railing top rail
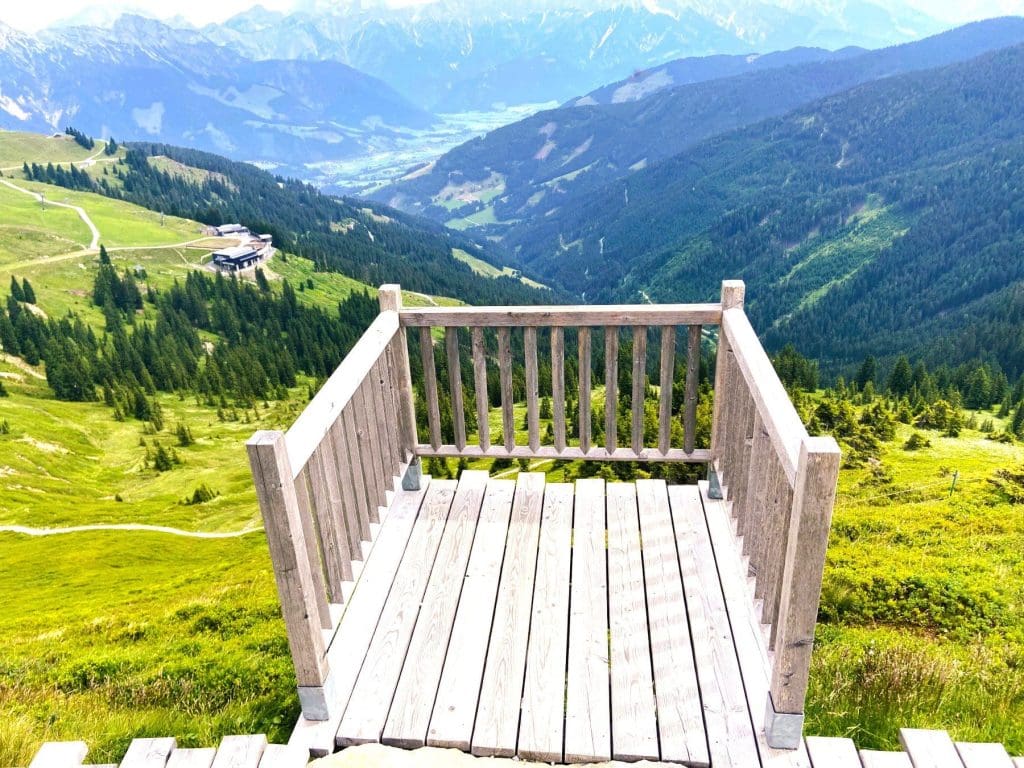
(778, 415)
(565, 316)
(323, 410)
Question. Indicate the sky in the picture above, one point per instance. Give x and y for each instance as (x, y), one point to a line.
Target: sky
(31, 16)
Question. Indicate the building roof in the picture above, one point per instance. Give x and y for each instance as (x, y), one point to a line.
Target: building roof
(235, 252)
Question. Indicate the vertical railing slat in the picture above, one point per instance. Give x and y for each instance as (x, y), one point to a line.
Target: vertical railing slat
(370, 464)
(558, 386)
(692, 377)
(665, 381)
(508, 425)
(584, 389)
(639, 386)
(312, 548)
(532, 393)
(363, 495)
(451, 343)
(355, 529)
(483, 405)
(385, 446)
(611, 386)
(390, 297)
(778, 509)
(430, 386)
(327, 505)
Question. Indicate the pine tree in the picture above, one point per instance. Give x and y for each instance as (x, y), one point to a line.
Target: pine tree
(866, 372)
(29, 293)
(17, 292)
(901, 378)
(104, 256)
(3, 389)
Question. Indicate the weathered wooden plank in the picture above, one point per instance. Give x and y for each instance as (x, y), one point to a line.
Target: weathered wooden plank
(587, 705)
(483, 408)
(390, 297)
(667, 373)
(634, 725)
(390, 419)
(370, 451)
(692, 381)
(451, 342)
(374, 688)
(726, 717)
(284, 756)
(778, 510)
(272, 474)
(983, 755)
(543, 717)
(827, 752)
(739, 473)
(1018, 762)
(680, 722)
(639, 385)
(409, 717)
(366, 503)
(611, 387)
(149, 753)
(362, 614)
(699, 456)
(930, 749)
(375, 402)
(871, 758)
(584, 389)
(532, 385)
(192, 758)
(565, 316)
(732, 296)
(498, 712)
(430, 385)
(60, 754)
(329, 516)
(240, 751)
(508, 425)
(558, 386)
(451, 724)
(319, 579)
(355, 527)
(749, 640)
(814, 495)
(322, 411)
(776, 409)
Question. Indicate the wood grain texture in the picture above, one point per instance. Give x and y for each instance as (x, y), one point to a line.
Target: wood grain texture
(390, 297)
(372, 693)
(532, 386)
(558, 386)
(483, 406)
(240, 751)
(634, 725)
(871, 758)
(930, 749)
(451, 724)
(508, 426)
(585, 393)
(284, 756)
(828, 752)
(60, 754)
(692, 380)
(326, 494)
(565, 316)
(667, 372)
(362, 614)
(430, 386)
(541, 728)
(639, 382)
(193, 758)
(571, 453)
(362, 490)
(409, 717)
(986, 755)
(368, 455)
(502, 687)
(588, 707)
(451, 343)
(726, 717)
(148, 753)
(611, 387)
(355, 527)
(680, 722)
(309, 537)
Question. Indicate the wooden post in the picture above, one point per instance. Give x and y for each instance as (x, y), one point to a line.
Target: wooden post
(813, 498)
(272, 474)
(390, 298)
(732, 296)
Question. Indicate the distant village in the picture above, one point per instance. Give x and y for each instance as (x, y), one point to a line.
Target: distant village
(252, 248)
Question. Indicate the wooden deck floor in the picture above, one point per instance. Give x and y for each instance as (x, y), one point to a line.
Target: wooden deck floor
(554, 622)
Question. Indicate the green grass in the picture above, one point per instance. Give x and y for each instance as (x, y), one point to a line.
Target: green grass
(29, 230)
(17, 147)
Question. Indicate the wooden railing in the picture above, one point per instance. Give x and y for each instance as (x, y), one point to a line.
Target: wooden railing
(320, 487)
(781, 483)
(553, 321)
(321, 484)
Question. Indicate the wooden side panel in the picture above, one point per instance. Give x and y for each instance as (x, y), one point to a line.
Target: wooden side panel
(60, 754)
(692, 377)
(983, 755)
(634, 725)
(611, 386)
(148, 753)
(558, 386)
(418, 684)
(451, 342)
(871, 758)
(584, 389)
(451, 724)
(374, 687)
(193, 758)
(930, 749)
(480, 385)
(667, 373)
(532, 384)
(832, 752)
(508, 425)
(639, 386)
(240, 751)
(430, 386)
(543, 718)
(588, 708)
(284, 756)
(502, 688)
(680, 720)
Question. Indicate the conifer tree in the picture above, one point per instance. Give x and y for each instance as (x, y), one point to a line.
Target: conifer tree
(17, 292)
(28, 292)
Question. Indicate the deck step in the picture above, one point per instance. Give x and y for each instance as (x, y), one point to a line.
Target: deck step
(872, 758)
(60, 754)
(828, 752)
(192, 758)
(148, 753)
